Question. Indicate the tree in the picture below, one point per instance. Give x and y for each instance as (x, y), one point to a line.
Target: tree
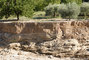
(63, 10)
(53, 1)
(41, 4)
(52, 10)
(10, 7)
(17, 7)
(71, 1)
(24, 7)
(85, 9)
(70, 10)
(28, 7)
(6, 8)
(1, 4)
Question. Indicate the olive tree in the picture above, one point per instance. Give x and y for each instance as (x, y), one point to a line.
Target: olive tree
(63, 10)
(52, 10)
(70, 10)
(85, 9)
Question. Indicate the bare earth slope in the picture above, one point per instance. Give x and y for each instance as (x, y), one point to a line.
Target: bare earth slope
(60, 39)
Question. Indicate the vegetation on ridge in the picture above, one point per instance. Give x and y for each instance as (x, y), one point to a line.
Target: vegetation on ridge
(53, 8)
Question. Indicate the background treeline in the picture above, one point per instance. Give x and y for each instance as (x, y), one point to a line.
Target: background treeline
(28, 7)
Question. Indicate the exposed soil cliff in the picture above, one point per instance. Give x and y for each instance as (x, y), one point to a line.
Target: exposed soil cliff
(61, 39)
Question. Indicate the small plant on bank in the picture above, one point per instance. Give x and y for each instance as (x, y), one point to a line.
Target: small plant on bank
(70, 10)
(52, 10)
(85, 9)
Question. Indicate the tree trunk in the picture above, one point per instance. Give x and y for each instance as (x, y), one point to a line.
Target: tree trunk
(54, 14)
(17, 16)
(69, 18)
(85, 16)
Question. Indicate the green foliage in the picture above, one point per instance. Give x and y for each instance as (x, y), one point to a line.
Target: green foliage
(85, 9)
(41, 4)
(70, 10)
(28, 8)
(39, 15)
(52, 1)
(63, 10)
(1, 9)
(17, 7)
(9, 7)
(79, 1)
(6, 8)
(1, 3)
(52, 10)
(71, 1)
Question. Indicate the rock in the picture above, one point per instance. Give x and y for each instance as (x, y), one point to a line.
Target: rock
(61, 39)
(75, 46)
(15, 46)
(30, 47)
(50, 56)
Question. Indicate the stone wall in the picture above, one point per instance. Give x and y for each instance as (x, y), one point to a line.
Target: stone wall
(61, 39)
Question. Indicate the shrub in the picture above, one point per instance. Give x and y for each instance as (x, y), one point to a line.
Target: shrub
(63, 10)
(70, 10)
(52, 10)
(85, 9)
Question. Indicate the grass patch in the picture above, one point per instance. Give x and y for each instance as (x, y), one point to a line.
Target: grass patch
(41, 15)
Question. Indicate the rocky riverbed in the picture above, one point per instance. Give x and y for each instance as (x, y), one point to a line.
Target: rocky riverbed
(10, 54)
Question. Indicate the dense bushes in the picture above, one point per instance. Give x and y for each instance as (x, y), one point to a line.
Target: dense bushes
(52, 10)
(40, 4)
(85, 9)
(63, 10)
(70, 10)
